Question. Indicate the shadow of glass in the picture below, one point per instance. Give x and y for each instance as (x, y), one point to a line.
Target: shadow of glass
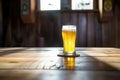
(86, 62)
(97, 63)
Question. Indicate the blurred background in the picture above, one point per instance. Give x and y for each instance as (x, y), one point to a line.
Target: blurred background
(45, 29)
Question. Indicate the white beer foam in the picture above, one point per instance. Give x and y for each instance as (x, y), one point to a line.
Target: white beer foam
(69, 28)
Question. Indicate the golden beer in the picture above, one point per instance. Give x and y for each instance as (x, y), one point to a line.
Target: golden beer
(69, 62)
(69, 38)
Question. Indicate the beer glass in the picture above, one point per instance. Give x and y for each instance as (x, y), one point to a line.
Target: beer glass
(69, 39)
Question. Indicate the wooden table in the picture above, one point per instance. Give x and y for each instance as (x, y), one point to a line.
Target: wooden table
(44, 64)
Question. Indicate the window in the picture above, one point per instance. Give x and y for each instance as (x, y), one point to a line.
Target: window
(47, 5)
(82, 4)
(50, 5)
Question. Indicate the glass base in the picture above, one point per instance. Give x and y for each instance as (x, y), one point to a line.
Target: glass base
(64, 54)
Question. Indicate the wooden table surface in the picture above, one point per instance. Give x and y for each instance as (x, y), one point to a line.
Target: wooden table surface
(44, 64)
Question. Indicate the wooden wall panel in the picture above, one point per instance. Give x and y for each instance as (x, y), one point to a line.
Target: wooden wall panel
(1, 28)
(82, 29)
(118, 26)
(51, 28)
(16, 33)
(98, 31)
(112, 32)
(6, 16)
(108, 33)
(105, 35)
(74, 19)
(66, 18)
(90, 31)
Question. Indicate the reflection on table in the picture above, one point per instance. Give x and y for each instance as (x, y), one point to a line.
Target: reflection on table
(44, 64)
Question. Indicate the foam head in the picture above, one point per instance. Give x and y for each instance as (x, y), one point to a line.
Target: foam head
(69, 28)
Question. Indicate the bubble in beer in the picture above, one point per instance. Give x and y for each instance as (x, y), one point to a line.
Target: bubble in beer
(69, 38)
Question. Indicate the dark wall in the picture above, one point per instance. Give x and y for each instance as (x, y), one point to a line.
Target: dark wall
(1, 27)
(90, 31)
(50, 28)
(16, 33)
(47, 28)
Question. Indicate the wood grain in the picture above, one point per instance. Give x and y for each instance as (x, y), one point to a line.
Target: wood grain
(43, 63)
(35, 58)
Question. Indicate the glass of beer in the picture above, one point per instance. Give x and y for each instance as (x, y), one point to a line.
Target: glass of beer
(69, 39)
